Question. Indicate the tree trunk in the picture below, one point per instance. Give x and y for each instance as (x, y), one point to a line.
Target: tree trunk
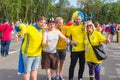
(26, 12)
(31, 17)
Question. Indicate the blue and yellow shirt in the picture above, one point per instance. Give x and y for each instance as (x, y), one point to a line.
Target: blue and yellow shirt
(32, 44)
(96, 38)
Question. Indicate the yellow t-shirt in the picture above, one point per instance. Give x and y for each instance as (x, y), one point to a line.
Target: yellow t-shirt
(96, 38)
(61, 43)
(22, 29)
(32, 44)
(76, 32)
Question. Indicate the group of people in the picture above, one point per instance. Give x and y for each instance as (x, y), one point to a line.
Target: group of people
(111, 30)
(47, 40)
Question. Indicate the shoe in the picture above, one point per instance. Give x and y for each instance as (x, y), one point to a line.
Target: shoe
(5, 55)
(48, 79)
(57, 78)
(61, 78)
(80, 79)
(2, 55)
(52, 78)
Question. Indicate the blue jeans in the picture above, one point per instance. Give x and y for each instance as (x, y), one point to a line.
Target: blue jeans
(5, 47)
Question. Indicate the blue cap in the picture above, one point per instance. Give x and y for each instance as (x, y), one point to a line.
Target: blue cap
(5, 20)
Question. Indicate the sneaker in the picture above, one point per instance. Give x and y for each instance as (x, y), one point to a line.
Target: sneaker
(61, 78)
(48, 79)
(57, 78)
(80, 79)
(52, 78)
(2, 55)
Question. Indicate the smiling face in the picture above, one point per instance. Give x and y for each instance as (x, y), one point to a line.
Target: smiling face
(51, 25)
(78, 20)
(59, 23)
(89, 27)
(42, 23)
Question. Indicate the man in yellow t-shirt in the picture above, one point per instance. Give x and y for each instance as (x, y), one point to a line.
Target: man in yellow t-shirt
(76, 33)
(61, 48)
(31, 48)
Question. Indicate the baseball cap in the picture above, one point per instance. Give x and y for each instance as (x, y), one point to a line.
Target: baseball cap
(51, 20)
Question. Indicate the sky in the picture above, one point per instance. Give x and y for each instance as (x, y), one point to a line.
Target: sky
(73, 2)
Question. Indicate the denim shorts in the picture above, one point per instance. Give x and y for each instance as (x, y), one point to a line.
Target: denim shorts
(30, 63)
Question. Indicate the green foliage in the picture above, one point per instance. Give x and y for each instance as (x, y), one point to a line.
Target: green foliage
(29, 10)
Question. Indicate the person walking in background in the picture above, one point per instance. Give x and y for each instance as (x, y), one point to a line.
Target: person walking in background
(97, 26)
(6, 30)
(31, 49)
(94, 38)
(76, 33)
(49, 57)
(61, 47)
(112, 31)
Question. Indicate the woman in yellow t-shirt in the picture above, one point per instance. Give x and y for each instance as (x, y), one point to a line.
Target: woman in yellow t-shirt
(95, 38)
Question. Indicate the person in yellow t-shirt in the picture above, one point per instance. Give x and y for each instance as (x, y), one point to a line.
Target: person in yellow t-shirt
(61, 48)
(31, 48)
(76, 33)
(94, 37)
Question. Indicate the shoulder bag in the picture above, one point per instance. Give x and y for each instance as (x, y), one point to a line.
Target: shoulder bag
(99, 51)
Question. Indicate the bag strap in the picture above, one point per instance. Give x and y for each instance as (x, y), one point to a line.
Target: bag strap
(89, 39)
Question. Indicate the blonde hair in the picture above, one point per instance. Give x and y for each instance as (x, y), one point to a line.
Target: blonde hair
(58, 18)
(89, 22)
(96, 24)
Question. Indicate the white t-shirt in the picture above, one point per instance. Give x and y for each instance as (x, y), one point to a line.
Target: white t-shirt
(52, 38)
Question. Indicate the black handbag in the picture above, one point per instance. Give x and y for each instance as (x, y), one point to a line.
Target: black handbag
(99, 51)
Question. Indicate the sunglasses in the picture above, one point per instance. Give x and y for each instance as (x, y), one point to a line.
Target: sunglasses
(89, 25)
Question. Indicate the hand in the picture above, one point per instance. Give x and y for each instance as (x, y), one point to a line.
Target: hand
(46, 44)
(74, 43)
(67, 40)
(107, 41)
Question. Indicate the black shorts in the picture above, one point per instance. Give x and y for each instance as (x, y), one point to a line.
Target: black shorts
(61, 54)
(49, 61)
